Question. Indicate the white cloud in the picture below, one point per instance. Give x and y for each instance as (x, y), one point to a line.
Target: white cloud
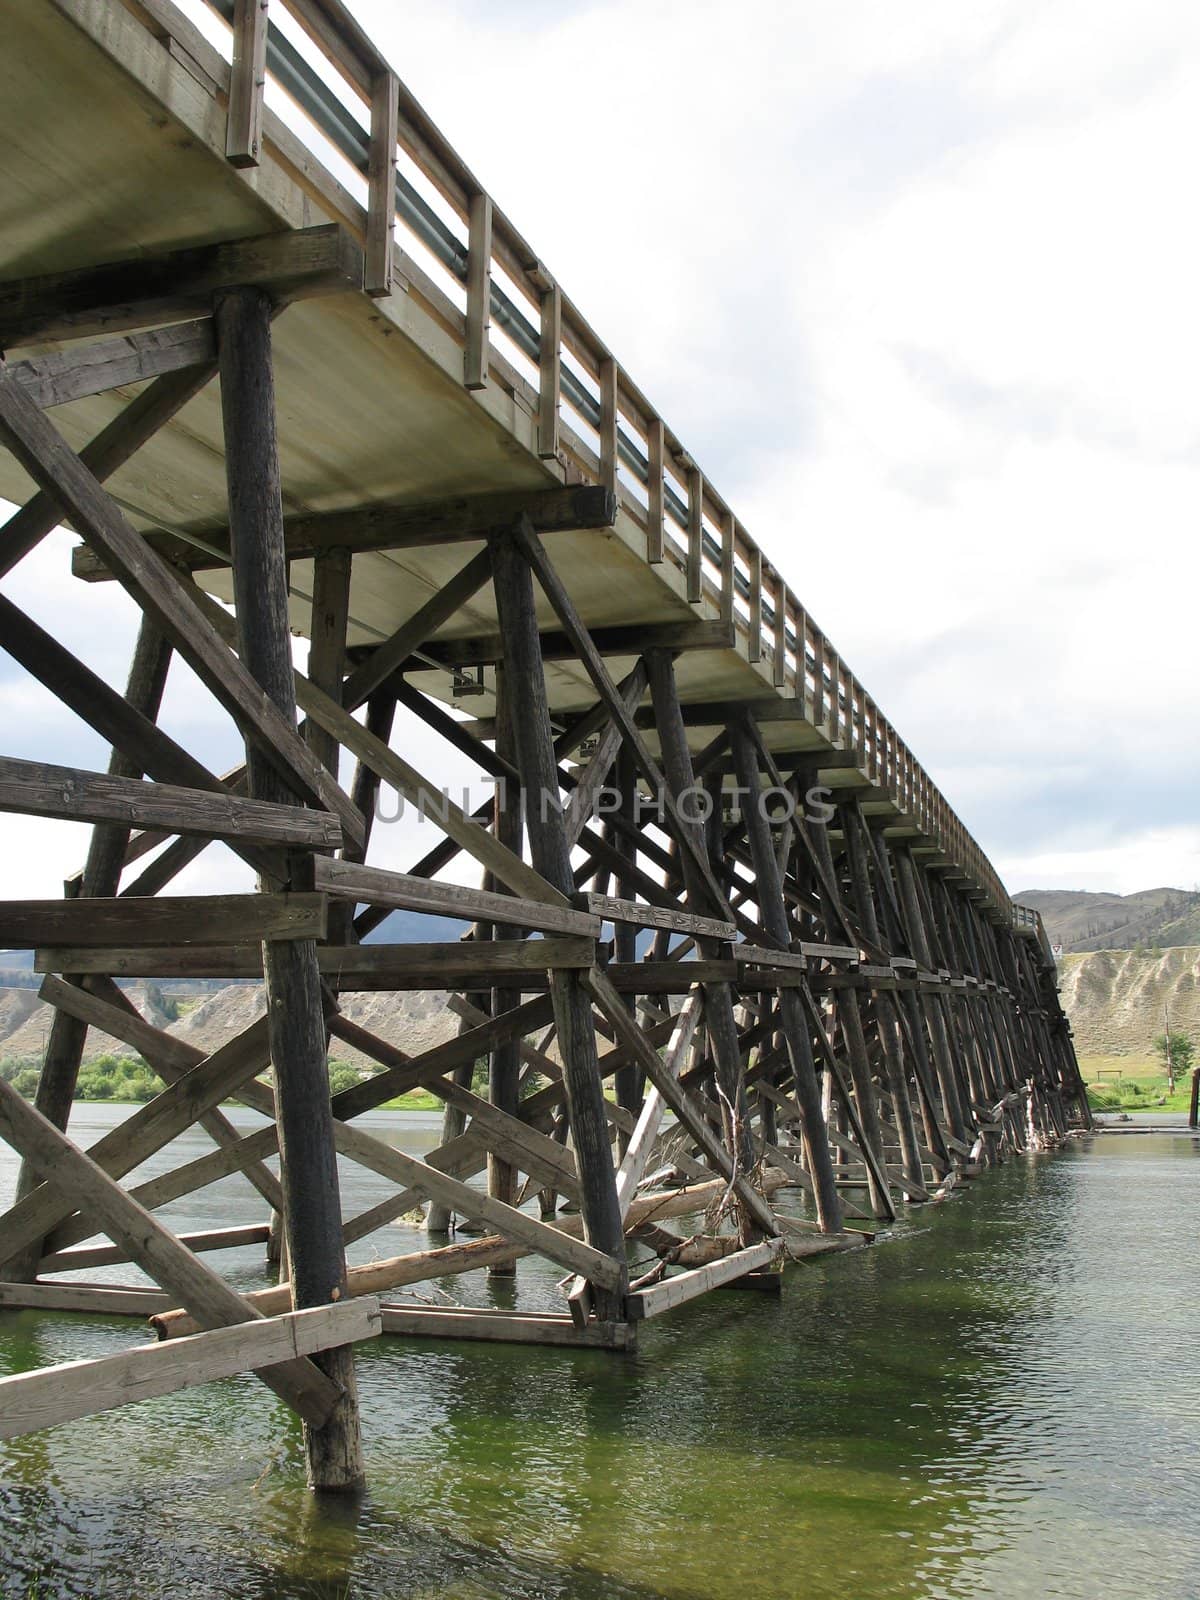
(916, 284)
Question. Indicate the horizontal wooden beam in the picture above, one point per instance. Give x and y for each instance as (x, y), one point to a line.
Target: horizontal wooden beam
(754, 955)
(103, 1255)
(372, 886)
(686, 1286)
(368, 966)
(557, 645)
(177, 921)
(37, 788)
(611, 909)
(93, 1299)
(175, 284)
(43, 1399)
(389, 525)
(66, 375)
(716, 713)
(504, 1327)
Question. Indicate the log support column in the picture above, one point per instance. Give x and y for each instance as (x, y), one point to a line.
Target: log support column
(295, 1008)
(551, 855)
(768, 891)
(858, 859)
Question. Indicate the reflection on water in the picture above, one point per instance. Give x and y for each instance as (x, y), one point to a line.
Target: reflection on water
(1000, 1400)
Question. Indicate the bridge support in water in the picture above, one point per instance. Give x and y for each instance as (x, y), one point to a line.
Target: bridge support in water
(732, 960)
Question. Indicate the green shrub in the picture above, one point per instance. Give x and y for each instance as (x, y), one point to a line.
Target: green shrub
(342, 1076)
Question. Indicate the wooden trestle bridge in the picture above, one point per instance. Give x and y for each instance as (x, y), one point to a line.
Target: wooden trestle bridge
(291, 356)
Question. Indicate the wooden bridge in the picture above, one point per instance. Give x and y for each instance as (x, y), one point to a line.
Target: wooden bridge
(268, 342)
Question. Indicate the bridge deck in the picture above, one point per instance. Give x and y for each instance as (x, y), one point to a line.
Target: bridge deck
(114, 147)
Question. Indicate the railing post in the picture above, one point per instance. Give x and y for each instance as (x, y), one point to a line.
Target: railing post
(247, 80)
(549, 371)
(479, 291)
(755, 649)
(695, 547)
(609, 380)
(381, 185)
(655, 490)
(728, 565)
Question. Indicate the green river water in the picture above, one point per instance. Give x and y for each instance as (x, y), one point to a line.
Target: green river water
(1001, 1399)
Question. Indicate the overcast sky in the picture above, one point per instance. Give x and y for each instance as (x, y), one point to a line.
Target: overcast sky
(916, 285)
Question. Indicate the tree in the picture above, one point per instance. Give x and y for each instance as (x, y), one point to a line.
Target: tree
(1176, 1054)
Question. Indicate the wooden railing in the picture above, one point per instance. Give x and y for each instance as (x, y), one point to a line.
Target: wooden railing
(429, 226)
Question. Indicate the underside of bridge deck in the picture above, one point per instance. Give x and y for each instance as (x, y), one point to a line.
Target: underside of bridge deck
(728, 939)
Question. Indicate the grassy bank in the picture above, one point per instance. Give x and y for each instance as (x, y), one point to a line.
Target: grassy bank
(1131, 1083)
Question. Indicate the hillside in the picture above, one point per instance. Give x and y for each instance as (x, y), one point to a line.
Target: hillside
(1152, 918)
(1115, 998)
(413, 1021)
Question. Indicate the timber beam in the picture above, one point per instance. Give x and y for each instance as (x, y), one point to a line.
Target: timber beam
(557, 645)
(66, 375)
(152, 290)
(390, 525)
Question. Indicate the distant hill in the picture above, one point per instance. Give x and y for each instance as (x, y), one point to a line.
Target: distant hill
(1116, 998)
(1151, 919)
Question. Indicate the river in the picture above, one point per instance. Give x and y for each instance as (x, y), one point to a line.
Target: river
(1000, 1399)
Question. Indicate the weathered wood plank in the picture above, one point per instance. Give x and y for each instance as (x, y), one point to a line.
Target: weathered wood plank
(479, 290)
(613, 909)
(178, 921)
(93, 1299)
(30, 1401)
(175, 284)
(103, 1255)
(549, 372)
(620, 639)
(503, 1327)
(371, 966)
(686, 1286)
(388, 525)
(346, 880)
(61, 376)
(37, 788)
